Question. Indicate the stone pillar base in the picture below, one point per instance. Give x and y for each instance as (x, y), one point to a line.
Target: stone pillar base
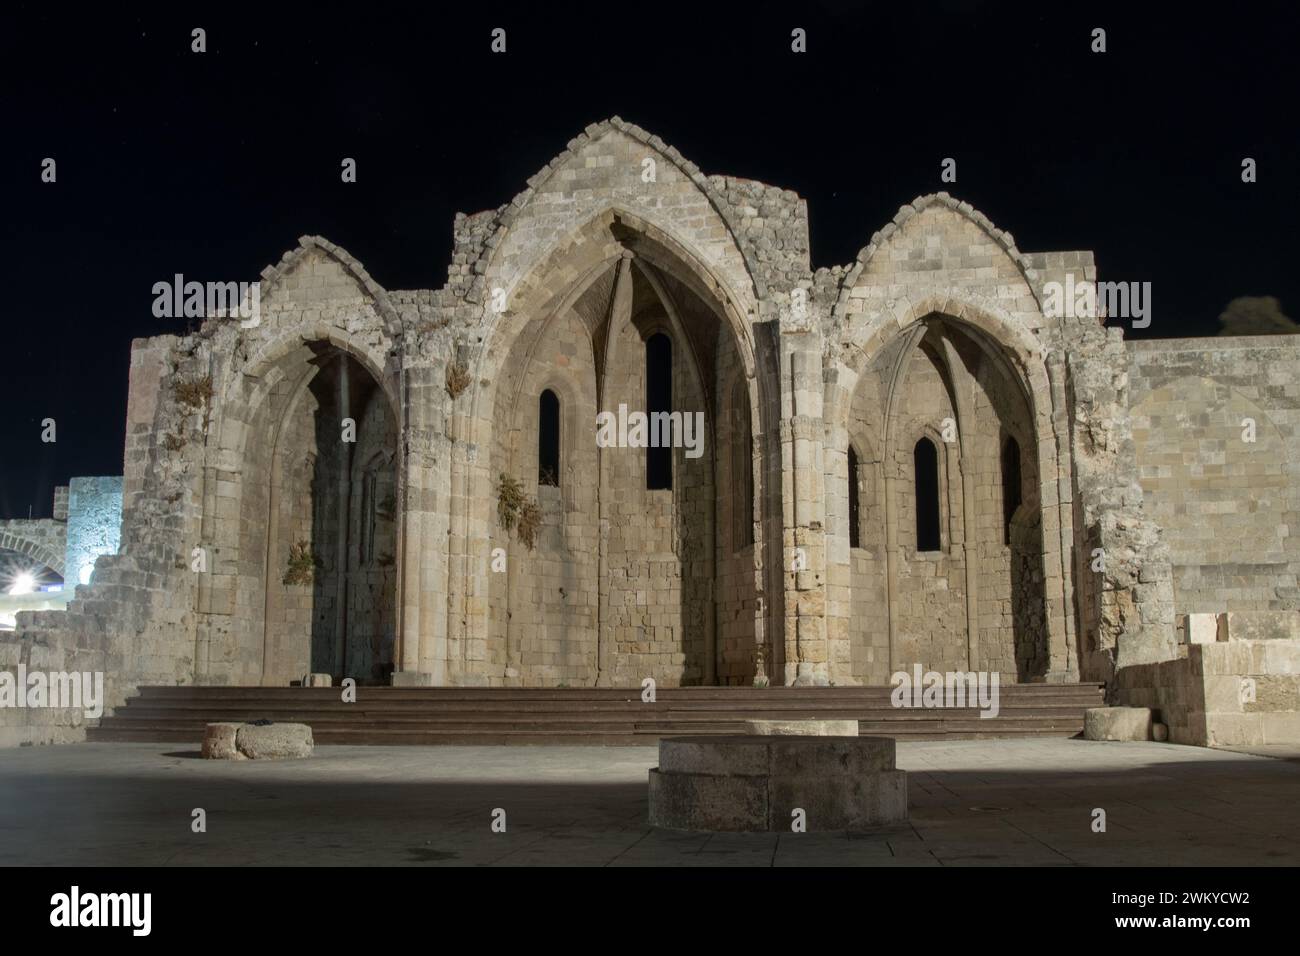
(805, 674)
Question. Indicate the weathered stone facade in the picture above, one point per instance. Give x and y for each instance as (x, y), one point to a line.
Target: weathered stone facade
(1217, 437)
(927, 371)
(94, 524)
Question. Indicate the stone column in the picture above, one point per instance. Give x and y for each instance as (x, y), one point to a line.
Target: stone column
(839, 560)
(222, 468)
(620, 310)
(420, 656)
(804, 560)
(344, 518)
(962, 387)
(891, 555)
(890, 467)
(1057, 510)
(458, 653)
(406, 653)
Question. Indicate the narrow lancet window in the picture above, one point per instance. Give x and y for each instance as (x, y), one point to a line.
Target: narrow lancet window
(548, 439)
(659, 398)
(925, 460)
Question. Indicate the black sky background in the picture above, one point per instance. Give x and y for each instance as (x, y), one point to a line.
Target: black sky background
(211, 165)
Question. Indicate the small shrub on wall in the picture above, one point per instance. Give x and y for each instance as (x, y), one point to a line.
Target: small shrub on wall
(516, 511)
(302, 564)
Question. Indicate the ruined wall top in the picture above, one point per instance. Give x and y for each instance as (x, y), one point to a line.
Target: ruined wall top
(751, 236)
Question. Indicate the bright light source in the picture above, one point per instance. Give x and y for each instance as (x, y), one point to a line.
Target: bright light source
(23, 584)
(84, 574)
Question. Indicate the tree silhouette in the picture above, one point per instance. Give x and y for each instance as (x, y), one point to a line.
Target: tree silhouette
(1256, 315)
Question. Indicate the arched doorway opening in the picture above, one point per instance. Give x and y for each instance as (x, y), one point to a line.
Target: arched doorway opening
(644, 563)
(946, 552)
(318, 523)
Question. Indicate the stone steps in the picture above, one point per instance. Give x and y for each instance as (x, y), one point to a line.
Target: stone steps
(245, 713)
(690, 692)
(437, 715)
(368, 737)
(958, 723)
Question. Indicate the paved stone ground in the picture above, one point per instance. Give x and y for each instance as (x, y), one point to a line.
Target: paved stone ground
(973, 803)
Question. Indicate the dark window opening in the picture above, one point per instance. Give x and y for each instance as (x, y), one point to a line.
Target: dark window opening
(659, 398)
(925, 459)
(548, 439)
(854, 533)
(1010, 485)
(742, 468)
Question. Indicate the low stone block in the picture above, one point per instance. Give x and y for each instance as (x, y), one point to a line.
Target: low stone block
(764, 755)
(1117, 723)
(839, 802)
(716, 802)
(831, 756)
(219, 742)
(274, 741)
(318, 680)
(1160, 732)
(802, 728)
(755, 783)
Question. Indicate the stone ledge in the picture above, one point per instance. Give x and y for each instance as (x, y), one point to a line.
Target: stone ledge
(802, 728)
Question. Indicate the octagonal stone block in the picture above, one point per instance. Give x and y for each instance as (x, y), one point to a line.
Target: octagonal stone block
(755, 783)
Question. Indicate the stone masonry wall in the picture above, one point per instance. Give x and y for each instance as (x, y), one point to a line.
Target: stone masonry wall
(675, 572)
(1225, 493)
(94, 523)
(134, 623)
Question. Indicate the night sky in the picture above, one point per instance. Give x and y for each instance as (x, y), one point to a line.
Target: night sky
(212, 164)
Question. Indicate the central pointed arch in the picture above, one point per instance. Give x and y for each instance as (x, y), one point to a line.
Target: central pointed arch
(558, 275)
(1038, 551)
(581, 313)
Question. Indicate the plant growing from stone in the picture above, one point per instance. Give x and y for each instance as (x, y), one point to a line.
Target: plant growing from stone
(193, 394)
(302, 564)
(530, 522)
(516, 511)
(510, 498)
(457, 379)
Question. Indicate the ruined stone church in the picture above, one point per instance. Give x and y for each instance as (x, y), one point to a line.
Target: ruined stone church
(906, 460)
